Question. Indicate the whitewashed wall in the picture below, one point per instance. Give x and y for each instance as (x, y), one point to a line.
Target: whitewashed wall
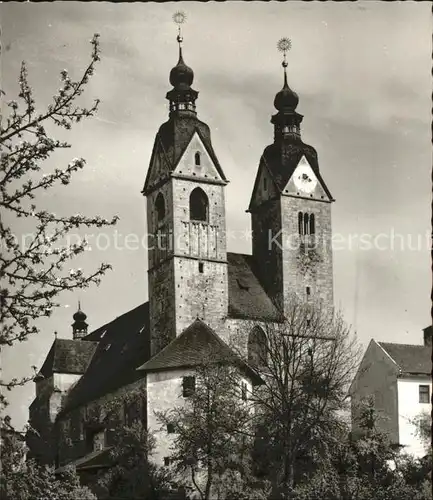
(409, 408)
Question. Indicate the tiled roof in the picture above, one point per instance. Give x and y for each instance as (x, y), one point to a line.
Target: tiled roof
(247, 297)
(124, 344)
(173, 138)
(68, 356)
(197, 344)
(282, 159)
(411, 359)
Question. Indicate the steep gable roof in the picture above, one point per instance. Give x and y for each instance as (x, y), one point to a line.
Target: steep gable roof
(282, 159)
(68, 356)
(173, 138)
(197, 344)
(123, 345)
(247, 297)
(411, 359)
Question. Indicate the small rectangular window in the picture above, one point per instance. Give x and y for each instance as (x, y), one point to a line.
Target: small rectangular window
(166, 461)
(170, 428)
(200, 267)
(244, 391)
(424, 394)
(308, 289)
(265, 183)
(188, 386)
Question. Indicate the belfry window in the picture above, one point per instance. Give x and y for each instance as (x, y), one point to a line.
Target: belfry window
(301, 223)
(198, 206)
(197, 159)
(312, 224)
(306, 224)
(160, 208)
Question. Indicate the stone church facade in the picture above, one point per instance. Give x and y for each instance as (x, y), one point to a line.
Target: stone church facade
(200, 294)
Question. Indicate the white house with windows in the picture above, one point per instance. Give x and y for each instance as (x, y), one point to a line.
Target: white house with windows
(398, 377)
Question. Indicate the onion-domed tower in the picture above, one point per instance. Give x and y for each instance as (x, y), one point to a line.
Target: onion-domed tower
(291, 210)
(79, 326)
(186, 222)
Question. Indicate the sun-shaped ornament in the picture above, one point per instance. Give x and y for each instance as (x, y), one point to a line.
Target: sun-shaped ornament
(179, 17)
(284, 44)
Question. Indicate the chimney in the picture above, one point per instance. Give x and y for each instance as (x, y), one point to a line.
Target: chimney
(428, 336)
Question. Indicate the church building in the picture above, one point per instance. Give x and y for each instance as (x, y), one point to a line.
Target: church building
(200, 294)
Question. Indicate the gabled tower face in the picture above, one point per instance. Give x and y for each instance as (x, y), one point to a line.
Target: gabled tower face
(186, 220)
(291, 213)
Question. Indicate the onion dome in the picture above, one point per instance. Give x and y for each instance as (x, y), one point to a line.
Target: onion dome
(79, 326)
(181, 76)
(286, 99)
(80, 316)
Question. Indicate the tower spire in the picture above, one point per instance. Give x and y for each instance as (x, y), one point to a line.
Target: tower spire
(182, 97)
(287, 121)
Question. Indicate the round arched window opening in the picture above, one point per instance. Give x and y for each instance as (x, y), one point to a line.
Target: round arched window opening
(160, 208)
(197, 159)
(199, 206)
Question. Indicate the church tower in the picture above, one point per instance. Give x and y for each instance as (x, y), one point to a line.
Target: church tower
(291, 211)
(186, 221)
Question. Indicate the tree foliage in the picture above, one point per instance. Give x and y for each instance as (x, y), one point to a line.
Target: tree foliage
(212, 431)
(306, 362)
(26, 480)
(34, 270)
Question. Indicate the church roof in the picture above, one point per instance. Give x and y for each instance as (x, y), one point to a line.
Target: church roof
(197, 344)
(68, 356)
(118, 348)
(172, 140)
(411, 359)
(282, 159)
(247, 297)
(123, 345)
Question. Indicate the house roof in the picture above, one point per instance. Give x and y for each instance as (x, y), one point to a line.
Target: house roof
(173, 138)
(95, 460)
(411, 359)
(247, 297)
(68, 356)
(123, 345)
(197, 344)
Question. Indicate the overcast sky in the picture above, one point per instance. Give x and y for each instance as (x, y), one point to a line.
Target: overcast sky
(362, 72)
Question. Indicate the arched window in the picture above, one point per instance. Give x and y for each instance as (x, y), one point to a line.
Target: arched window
(198, 205)
(306, 224)
(257, 347)
(300, 223)
(160, 207)
(197, 159)
(312, 224)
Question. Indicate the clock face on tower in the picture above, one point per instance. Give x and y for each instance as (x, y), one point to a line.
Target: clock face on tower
(304, 179)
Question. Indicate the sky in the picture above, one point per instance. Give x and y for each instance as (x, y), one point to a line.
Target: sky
(363, 74)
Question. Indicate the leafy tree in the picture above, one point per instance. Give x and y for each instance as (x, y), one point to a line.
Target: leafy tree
(423, 423)
(306, 362)
(21, 480)
(34, 271)
(213, 432)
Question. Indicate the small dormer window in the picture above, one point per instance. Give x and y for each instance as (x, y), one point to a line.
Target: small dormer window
(197, 159)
